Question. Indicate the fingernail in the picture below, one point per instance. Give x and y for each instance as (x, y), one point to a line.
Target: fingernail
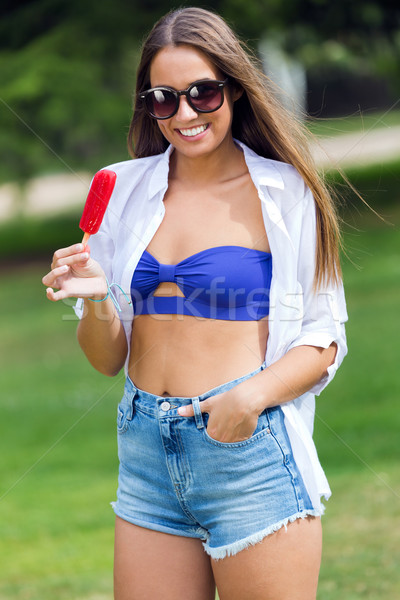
(85, 255)
(182, 410)
(79, 248)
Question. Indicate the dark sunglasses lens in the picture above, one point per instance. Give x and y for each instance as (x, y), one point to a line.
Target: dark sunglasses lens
(206, 97)
(161, 103)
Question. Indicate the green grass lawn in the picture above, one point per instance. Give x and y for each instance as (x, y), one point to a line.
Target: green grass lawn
(59, 467)
(58, 471)
(357, 430)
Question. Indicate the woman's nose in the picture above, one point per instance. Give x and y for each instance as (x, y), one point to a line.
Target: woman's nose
(185, 111)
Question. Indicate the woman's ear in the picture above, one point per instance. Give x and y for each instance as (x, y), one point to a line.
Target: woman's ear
(237, 92)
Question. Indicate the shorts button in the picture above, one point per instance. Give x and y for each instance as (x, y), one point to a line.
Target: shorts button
(165, 406)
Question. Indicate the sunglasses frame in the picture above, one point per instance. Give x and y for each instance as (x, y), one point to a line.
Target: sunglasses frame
(178, 93)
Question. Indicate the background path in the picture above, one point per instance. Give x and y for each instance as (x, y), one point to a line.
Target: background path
(359, 149)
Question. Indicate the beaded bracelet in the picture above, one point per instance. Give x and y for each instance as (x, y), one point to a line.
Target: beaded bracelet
(112, 296)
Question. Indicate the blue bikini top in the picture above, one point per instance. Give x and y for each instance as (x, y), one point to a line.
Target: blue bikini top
(225, 282)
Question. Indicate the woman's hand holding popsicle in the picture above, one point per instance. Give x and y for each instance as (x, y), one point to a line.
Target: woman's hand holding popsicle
(75, 274)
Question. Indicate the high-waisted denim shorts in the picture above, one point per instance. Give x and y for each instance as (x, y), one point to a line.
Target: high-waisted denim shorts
(175, 478)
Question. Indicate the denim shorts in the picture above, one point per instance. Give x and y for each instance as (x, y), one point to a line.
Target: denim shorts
(175, 478)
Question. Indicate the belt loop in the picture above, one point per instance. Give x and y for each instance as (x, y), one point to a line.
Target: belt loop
(197, 412)
(131, 413)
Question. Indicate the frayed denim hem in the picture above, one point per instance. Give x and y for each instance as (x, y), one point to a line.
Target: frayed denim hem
(251, 540)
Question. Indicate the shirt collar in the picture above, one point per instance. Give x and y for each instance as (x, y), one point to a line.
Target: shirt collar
(262, 170)
(265, 172)
(159, 178)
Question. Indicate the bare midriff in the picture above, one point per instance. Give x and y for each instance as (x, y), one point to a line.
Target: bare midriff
(181, 355)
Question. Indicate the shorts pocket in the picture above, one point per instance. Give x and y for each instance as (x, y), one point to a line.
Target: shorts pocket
(124, 415)
(260, 432)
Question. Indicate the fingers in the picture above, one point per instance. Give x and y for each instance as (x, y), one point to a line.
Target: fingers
(187, 411)
(72, 255)
(74, 249)
(55, 296)
(73, 259)
(74, 274)
(50, 278)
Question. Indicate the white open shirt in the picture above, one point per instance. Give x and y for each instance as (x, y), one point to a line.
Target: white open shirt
(297, 316)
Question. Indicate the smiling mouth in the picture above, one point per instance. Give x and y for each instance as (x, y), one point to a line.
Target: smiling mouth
(193, 130)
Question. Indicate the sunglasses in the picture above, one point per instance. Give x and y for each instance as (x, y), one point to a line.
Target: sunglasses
(203, 96)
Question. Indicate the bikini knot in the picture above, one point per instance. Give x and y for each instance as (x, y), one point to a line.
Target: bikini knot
(166, 273)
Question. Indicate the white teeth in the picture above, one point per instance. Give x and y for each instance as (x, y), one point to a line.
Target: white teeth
(194, 131)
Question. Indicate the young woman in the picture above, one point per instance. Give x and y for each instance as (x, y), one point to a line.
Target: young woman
(226, 241)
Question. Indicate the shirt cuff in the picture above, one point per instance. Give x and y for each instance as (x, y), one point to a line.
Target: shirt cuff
(322, 340)
(78, 308)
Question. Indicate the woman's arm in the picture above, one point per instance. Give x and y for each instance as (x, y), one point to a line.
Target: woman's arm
(102, 337)
(297, 372)
(233, 414)
(100, 332)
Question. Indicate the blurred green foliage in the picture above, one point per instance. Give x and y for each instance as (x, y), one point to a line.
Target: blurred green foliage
(37, 238)
(68, 67)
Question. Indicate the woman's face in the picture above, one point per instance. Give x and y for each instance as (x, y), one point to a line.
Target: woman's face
(192, 133)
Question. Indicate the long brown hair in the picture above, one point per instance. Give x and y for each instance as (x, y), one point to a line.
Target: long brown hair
(259, 120)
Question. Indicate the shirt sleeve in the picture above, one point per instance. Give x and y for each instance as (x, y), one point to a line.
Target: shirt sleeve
(324, 310)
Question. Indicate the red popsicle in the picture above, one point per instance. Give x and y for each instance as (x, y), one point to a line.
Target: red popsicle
(96, 203)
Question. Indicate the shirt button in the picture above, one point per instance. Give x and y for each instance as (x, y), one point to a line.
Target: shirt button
(165, 406)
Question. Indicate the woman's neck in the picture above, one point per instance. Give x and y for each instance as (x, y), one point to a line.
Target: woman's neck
(224, 163)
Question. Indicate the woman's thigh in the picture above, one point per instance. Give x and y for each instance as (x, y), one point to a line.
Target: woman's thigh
(283, 566)
(150, 564)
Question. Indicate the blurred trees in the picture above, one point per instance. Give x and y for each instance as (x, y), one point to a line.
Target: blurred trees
(67, 67)
(64, 79)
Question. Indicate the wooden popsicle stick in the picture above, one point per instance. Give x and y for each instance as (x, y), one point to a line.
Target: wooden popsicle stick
(85, 238)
